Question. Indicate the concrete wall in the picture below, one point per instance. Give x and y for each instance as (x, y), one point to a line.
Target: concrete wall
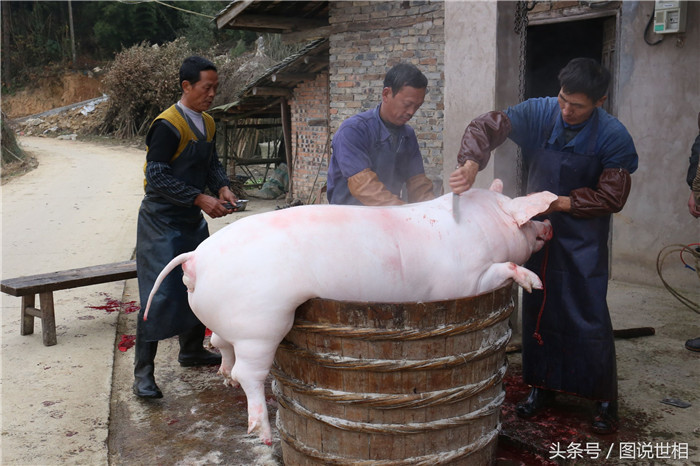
(470, 71)
(658, 100)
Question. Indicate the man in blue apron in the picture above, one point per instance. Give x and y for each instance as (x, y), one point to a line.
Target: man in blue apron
(375, 153)
(180, 163)
(576, 150)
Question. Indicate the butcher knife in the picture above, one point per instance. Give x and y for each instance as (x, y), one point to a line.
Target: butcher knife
(455, 207)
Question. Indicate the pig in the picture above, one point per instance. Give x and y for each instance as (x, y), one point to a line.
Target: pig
(245, 281)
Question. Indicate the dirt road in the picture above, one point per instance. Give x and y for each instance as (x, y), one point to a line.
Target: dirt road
(78, 208)
(80, 200)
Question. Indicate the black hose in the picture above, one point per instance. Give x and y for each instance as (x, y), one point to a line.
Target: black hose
(646, 30)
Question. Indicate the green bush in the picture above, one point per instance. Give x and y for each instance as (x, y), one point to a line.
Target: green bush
(142, 82)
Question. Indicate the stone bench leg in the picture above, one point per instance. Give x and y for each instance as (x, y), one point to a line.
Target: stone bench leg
(46, 314)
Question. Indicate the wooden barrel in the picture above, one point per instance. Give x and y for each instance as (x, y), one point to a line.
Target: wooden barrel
(393, 383)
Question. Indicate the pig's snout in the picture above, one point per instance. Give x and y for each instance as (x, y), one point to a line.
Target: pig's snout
(544, 233)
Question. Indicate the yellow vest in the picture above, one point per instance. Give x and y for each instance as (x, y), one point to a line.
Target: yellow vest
(173, 116)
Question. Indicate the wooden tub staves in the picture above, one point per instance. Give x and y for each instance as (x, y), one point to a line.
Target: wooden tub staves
(393, 383)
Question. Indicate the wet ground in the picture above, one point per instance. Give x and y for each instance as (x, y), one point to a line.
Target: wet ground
(200, 421)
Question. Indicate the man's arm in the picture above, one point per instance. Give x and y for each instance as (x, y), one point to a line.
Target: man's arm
(216, 178)
(609, 196)
(367, 189)
(482, 135)
(419, 188)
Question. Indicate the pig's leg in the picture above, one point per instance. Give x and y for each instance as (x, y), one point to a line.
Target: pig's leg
(253, 362)
(227, 358)
(498, 274)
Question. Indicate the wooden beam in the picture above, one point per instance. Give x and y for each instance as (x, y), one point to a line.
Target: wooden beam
(223, 20)
(287, 135)
(581, 13)
(317, 121)
(271, 91)
(307, 35)
(283, 23)
(293, 77)
(266, 109)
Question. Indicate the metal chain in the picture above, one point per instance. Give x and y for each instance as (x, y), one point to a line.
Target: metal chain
(521, 22)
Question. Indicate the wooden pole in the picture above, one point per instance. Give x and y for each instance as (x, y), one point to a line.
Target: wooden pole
(72, 31)
(6, 77)
(287, 134)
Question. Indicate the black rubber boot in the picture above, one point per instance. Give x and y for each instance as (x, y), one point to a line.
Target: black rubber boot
(144, 381)
(693, 344)
(605, 420)
(192, 352)
(537, 399)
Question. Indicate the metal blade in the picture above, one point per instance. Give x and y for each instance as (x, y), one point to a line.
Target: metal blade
(455, 207)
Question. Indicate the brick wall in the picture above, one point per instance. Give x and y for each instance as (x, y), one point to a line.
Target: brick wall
(310, 145)
(377, 35)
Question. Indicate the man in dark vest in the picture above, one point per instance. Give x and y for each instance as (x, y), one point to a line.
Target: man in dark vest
(576, 150)
(180, 163)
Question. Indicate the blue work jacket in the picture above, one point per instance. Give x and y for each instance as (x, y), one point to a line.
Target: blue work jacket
(363, 141)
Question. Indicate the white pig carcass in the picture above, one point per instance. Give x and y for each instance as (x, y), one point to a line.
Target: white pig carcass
(246, 281)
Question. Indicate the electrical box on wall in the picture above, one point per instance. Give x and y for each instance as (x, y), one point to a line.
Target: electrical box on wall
(669, 16)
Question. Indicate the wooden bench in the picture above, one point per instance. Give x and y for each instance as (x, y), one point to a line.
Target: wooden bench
(45, 284)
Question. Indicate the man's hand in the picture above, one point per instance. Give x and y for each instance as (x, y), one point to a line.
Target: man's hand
(693, 206)
(562, 204)
(214, 207)
(463, 177)
(226, 195)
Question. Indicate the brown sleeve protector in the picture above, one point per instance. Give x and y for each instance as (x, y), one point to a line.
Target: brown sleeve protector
(367, 189)
(609, 196)
(483, 134)
(419, 188)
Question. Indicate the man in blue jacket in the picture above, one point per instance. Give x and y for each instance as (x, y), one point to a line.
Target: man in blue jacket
(376, 154)
(576, 150)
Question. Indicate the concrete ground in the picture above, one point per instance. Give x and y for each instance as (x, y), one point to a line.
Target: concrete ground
(72, 403)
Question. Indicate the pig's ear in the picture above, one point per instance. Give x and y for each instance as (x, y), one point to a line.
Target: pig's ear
(496, 185)
(524, 208)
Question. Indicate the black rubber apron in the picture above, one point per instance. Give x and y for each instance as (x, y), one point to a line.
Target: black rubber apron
(568, 345)
(164, 231)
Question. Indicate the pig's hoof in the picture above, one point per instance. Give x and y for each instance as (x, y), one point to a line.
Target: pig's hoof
(264, 432)
(229, 382)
